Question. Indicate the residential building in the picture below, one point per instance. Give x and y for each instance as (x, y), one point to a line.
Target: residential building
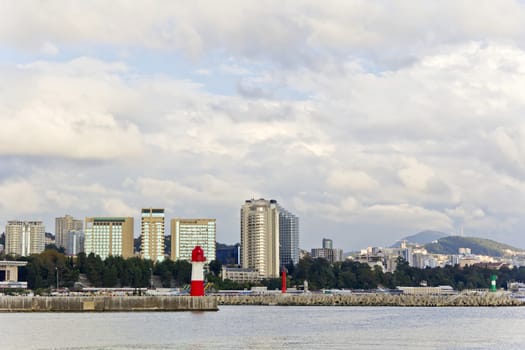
(109, 236)
(188, 233)
(239, 275)
(152, 233)
(49, 239)
(260, 237)
(332, 255)
(288, 238)
(24, 237)
(75, 242)
(327, 252)
(62, 226)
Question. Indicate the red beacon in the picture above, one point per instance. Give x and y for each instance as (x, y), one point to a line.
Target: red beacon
(197, 272)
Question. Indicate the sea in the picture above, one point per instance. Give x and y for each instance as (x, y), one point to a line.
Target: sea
(271, 327)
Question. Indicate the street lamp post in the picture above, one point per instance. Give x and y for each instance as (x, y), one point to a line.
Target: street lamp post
(56, 268)
(150, 278)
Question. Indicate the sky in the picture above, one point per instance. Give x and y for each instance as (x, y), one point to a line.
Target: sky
(370, 120)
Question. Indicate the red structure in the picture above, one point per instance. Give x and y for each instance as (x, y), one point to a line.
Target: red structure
(283, 281)
(197, 272)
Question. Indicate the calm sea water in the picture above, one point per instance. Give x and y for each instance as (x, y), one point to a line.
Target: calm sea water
(270, 327)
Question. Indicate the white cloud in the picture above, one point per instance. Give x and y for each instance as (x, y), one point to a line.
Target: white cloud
(49, 49)
(415, 175)
(66, 110)
(352, 179)
(302, 30)
(19, 197)
(117, 207)
(369, 124)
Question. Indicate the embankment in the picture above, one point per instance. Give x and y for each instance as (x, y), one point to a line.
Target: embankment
(372, 299)
(107, 303)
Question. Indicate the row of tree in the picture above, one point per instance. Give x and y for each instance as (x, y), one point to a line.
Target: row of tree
(51, 267)
(354, 275)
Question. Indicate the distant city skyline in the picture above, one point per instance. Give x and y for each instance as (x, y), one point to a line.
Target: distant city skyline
(370, 120)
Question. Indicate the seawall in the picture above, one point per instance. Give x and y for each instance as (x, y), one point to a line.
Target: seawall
(107, 303)
(372, 299)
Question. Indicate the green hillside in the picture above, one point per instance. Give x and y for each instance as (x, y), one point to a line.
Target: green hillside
(480, 246)
(422, 238)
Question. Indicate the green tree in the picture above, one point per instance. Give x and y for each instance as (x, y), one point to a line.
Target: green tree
(215, 267)
(182, 272)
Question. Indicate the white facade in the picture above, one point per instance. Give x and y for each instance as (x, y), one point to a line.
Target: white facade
(24, 237)
(152, 232)
(109, 236)
(188, 233)
(260, 237)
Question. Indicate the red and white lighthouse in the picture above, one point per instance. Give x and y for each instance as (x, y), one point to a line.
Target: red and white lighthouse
(197, 272)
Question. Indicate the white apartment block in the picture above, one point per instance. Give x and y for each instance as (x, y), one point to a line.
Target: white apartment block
(24, 237)
(152, 233)
(260, 237)
(188, 233)
(109, 236)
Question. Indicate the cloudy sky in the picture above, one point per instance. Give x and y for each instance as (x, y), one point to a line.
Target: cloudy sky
(370, 119)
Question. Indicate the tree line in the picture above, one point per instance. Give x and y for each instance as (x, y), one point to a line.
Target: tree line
(349, 274)
(45, 269)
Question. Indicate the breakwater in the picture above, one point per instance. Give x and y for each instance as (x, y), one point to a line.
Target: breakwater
(372, 299)
(106, 303)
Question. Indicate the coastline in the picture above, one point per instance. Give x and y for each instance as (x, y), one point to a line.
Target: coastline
(212, 303)
(106, 303)
(373, 299)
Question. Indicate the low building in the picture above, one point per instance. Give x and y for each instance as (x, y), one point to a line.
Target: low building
(439, 290)
(240, 275)
(327, 252)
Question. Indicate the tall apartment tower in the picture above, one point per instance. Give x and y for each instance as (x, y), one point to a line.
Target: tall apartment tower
(260, 237)
(288, 237)
(62, 227)
(188, 233)
(152, 231)
(105, 236)
(328, 243)
(24, 237)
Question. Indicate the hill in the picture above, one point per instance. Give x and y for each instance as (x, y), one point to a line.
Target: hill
(422, 238)
(480, 246)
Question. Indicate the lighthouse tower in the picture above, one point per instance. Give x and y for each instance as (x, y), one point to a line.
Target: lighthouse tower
(197, 272)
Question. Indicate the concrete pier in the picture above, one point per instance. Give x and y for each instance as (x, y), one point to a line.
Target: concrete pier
(107, 303)
(372, 299)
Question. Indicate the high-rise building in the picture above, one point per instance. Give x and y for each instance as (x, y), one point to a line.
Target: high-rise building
(62, 226)
(24, 237)
(75, 242)
(328, 243)
(152, 233)
(288, 237)
(260, 237)
(105, 236)
(188, 233)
